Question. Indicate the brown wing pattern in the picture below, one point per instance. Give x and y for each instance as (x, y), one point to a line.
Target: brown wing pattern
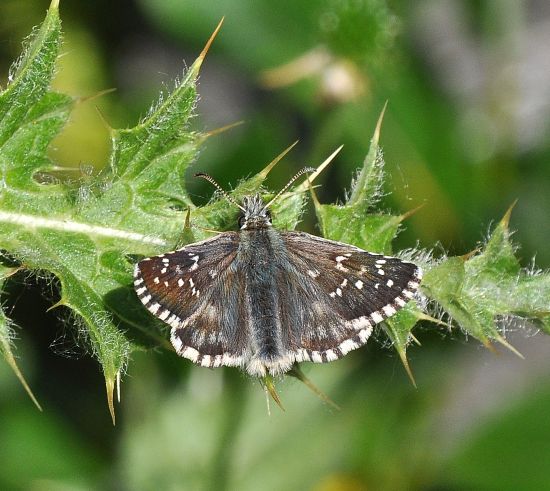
(190, 289)
(337, 293)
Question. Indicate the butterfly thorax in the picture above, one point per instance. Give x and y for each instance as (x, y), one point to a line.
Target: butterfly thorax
(255, 214)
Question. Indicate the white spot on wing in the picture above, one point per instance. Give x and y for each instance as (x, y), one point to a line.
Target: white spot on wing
(189, 353)
(389, 310)
(376, 317)
(347, 346)
(195, 265)
(302, 355)
(231, 361)
(331, 355)
(364, 335)
(154, 308)
(361, 323)
(176, 342)
(339, 265)
(316, 357)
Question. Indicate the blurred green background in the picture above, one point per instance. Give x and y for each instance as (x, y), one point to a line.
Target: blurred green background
(465, 133)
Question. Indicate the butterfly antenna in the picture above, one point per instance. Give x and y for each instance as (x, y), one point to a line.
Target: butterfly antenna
(305, 170)
(224, 193)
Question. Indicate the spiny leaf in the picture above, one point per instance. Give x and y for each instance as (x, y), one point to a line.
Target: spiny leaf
(83, 235)
(398, 329)
(485, 291)
(297, 373)
(366, 188)
(271, 391)
(352, 222)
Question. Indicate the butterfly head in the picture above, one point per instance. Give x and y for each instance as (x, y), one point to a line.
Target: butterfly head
(254, 213)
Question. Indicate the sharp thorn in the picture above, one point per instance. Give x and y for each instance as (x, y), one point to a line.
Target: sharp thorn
(264, 172)
(303, 187)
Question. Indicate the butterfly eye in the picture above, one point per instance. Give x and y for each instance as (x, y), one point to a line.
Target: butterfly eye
(268, 215)
(242, 221)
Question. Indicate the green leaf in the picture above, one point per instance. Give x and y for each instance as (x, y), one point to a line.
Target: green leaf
(352, 222)
(83, 234)
(485, 292)
(398, 329)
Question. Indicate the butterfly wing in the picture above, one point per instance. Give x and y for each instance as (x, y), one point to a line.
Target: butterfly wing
(191, 289)
(337, 293)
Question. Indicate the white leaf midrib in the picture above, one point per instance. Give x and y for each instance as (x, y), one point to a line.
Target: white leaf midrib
(34, 222)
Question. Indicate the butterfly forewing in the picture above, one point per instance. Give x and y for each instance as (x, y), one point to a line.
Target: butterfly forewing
(176, 285)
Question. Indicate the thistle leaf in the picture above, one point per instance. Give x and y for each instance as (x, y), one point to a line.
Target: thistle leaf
(83, 234)
(353, 222)
(489, 291)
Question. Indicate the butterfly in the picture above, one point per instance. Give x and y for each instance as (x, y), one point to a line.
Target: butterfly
(263, 299)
